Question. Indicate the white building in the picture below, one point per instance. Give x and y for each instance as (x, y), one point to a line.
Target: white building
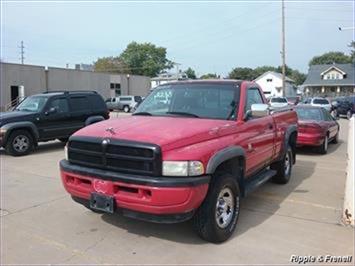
(165, 78)
(271, 84)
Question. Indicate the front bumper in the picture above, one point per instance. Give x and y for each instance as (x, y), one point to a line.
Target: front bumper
(157, 199)
(307, 139)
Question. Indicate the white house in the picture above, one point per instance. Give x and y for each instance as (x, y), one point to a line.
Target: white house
(165, 78)
(271, 84)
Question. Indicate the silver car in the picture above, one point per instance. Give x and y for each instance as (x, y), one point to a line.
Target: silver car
(125, 103)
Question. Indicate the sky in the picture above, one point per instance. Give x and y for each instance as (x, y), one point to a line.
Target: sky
(210, 37)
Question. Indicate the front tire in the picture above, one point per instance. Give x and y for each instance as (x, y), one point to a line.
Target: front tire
(19, 143)
(216, 219)
(283, 168)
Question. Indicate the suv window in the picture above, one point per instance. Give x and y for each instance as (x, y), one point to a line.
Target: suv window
(253, 96)
(97, 102)
(125, 98)
(61, 105)
(79, 103)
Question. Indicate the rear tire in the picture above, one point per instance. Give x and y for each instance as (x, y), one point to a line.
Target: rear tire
(283, 168)
(216, 219)
(19, 143)
(323, 149)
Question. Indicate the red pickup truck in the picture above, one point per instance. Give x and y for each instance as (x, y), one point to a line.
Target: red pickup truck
(193, 154)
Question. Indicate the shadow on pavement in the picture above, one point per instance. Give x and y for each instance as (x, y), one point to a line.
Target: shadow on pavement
(258, 201)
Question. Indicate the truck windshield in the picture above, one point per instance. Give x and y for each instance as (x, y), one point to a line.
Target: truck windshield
(32, 104)
(212, 101)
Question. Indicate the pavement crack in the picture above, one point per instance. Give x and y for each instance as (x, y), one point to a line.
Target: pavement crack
(35, 206)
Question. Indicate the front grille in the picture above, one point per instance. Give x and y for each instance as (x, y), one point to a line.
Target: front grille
(117, 155)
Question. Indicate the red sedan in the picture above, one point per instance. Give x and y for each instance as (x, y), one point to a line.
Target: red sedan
(316, 128)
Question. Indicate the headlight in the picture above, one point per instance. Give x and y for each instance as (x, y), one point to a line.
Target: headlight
(2, 131)
(66, 152)
(182, 168)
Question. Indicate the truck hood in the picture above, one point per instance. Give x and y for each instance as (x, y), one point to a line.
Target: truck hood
(14, 116)
(167, 132)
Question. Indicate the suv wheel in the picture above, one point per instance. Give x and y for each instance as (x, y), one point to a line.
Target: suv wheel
(216, 219)
(126, 109)
(19, 143)
(349, 114)
(322, 149)
(283, 168)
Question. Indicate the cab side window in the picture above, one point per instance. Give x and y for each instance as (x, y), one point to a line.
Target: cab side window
(61, 105)
(253, 96)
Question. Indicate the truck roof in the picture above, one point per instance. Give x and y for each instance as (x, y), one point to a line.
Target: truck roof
(205, 81)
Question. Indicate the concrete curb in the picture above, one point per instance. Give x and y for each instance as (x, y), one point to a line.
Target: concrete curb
(348, 209)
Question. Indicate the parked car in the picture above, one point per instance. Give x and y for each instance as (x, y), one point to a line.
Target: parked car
(196, 156)
(293, 100)
(278, 102)
(316, 128)
(49, 116)
(321, 102)
(344, 106)
(125, 103)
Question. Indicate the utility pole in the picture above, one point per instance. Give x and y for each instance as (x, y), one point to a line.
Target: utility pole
(177, 70)
(22, 52)
(283, 51)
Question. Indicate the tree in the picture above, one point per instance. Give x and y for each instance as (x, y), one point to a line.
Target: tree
(244, 73)
(298, 77)
(145, 59)
(352, 51)
(110, 64)
(191, 74)
(330, 58)
(209, 76)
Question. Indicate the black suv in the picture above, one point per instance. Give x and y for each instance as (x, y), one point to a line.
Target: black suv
(49, 116)
(344, 106)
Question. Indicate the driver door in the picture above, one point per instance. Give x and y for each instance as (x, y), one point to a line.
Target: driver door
(55, 121)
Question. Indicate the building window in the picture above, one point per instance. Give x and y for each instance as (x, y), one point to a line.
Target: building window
(337, 76)
(268, 80)
(115, 85)
(118, 92)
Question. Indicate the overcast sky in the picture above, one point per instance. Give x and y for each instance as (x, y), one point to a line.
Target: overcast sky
(209, 37)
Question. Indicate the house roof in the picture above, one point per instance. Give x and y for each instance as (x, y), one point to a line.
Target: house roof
(314, 77)
(276, 74)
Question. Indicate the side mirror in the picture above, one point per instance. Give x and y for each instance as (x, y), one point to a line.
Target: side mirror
(51, 110)
(259, 110)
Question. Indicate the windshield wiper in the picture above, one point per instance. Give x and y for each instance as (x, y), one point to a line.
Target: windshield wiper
(183, 114)
(142, 113)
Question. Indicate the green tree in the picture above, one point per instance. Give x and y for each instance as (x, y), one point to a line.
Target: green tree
(352, 51)
(209, 76)
(244, 73)
(110, 64)
(191, 74)
(145, 59)
(298, 77)
(330, 58)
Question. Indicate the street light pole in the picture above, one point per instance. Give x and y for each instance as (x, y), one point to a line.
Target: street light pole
(283, 51)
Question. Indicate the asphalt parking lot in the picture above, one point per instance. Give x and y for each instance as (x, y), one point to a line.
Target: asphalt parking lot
(42, 225)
